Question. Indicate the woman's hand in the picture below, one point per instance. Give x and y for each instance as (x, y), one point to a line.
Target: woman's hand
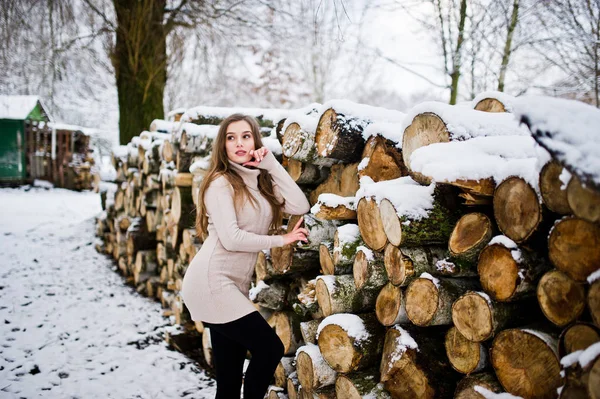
(258, 156)
(297, 234)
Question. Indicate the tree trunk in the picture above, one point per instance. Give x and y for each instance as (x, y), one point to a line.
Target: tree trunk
(514, 19)
(526, 363)
(573, 247)
(339, 136)
(381, 160)
(429, 301)
(470, 236)
(553, 190)
(338, 294)
(288, 259)
(272, 297)
(369, 270)
(343, 351)
(298, 143)
(407, 264)
(517, 209)
(414, 364)
(342, 181)
(465, 356)
(584, 201)
(509, 274)
(306, 173)
(361, 384)
(390, 307)
(370, 224)
(283, 371)
(578, 336)
(140, 62)
(309, 330)
(313, 371)
(287, 328)
(561, 298)
(478, 318)
(466, 387)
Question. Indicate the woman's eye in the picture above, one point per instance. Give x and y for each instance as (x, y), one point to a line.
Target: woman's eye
(246, 136)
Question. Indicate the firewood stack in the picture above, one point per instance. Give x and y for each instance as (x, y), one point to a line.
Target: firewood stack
(449, 254)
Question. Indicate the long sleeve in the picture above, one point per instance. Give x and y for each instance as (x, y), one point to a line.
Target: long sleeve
(218, 199)
(295, 200)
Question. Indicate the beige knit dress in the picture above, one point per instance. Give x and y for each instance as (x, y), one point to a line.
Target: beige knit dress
(216, 283)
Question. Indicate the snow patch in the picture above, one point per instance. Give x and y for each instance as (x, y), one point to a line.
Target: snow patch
(367, 251)
(430, 277)
(254, 291)
(487, 394)
(593, 277)
(350, 323)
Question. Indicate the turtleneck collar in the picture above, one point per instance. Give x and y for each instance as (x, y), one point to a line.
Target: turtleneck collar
(250, 176)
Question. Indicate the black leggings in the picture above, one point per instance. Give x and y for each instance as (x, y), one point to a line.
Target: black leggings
(230, 341)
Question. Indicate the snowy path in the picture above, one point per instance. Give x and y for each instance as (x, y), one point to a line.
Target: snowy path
(67, 321)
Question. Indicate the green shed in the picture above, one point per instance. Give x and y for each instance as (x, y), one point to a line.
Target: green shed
(16, 114)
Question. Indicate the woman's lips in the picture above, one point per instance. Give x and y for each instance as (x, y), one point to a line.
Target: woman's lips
(240, 153)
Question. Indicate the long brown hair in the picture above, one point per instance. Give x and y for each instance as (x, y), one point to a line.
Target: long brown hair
(219, 166)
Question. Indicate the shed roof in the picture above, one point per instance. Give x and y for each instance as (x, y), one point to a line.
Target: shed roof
(19, 107)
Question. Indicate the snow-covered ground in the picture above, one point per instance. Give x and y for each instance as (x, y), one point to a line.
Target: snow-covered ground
(69, 326)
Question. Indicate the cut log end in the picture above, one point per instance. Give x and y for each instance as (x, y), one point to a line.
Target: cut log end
(304, 367)
(579, 337)
(465, 356)
(337, 345)
(326, 136)
(490, 105)
(471, 231)
(472, 317)
(584, 201)
(323, 297)
(370, 224)
(422, 299)
(560, 297)
(553, 195)
(290, 143)
(517, 209)
(498, 272)
(425, 129)
(390, 307)
(326, 260)
(573, 247)
(525, 363)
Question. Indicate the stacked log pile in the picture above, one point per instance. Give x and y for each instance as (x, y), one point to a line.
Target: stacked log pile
(445, 257)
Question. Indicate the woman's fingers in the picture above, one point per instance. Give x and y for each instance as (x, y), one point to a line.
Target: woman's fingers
(298, 223)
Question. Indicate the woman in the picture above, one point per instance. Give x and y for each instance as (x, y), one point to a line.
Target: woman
(243, 195)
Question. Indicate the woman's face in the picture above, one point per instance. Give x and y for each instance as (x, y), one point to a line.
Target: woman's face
(239, 141)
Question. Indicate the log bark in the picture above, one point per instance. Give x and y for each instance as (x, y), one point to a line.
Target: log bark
(517, 209)
(470, 236)
(288, 259)
(346, 353)
(183, 161)
(339, 136)
(183, 211)
(526, 362)
(342, 181)
(405, 231)
(410, 373)
(368, 269)
(361, 384)
(306, 173)
(554, 194)
(318, 230)
(308, 330)
(371, 224)
(382, 160)
(345, 246)
(313, 371)
(429, 301)
(264, 268)
(283, 371)
(478, 318)
(287, 328)
(390, 307)
(465, 389)
(197, 144)
(584, 201)
(578, 336)
(509, 274)
(298, 143)
(593, 301)
(138, 238)
(561, 298)
(407, 264)
(465, 356)
(573, 247)
(273, 297)
(338, 294)
(323, 393)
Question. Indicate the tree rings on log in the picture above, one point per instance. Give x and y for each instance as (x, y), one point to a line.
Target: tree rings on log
(490, 105)
(466, 387)
(470, 236)
(358, 385)
(561, 298)
(465, 356)
(574, 247)
(382, 160)
(517, 209)
(578, 336)
(554, 194)
(390, 307)
(370, 224)
(526, 363)
(584, 201)
(313, 371)
(338, 137)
